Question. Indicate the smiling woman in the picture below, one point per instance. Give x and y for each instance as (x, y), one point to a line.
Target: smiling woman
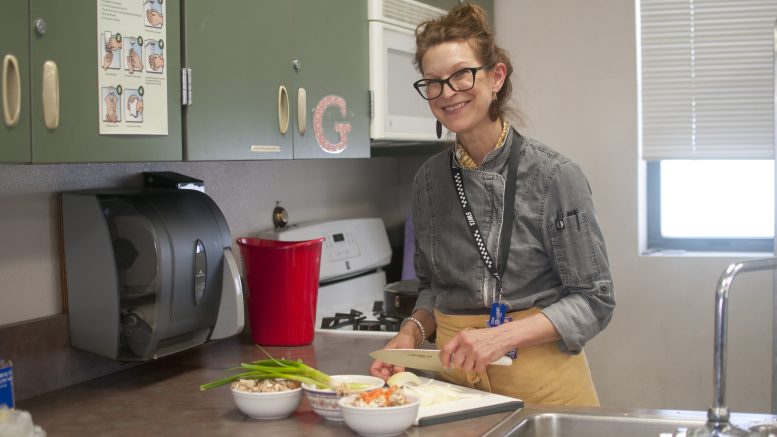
(476, 73)
(493, 248)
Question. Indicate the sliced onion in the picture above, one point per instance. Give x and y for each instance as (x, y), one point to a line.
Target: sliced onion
(430, 394)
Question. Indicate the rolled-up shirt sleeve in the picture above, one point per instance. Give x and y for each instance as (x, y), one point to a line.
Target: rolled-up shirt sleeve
(575, 245)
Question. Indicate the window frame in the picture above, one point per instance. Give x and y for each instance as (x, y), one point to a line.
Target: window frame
(656, 242)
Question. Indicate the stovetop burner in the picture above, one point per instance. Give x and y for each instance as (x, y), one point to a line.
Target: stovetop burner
(358, 321)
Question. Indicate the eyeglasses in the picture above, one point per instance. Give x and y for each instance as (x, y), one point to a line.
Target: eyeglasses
(461, 80)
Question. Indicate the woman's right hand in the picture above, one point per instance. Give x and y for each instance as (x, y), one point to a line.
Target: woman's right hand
(402, 340)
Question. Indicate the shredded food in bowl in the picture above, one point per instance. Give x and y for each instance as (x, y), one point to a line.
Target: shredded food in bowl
(381, 397)
(342, 389)
(265, 385)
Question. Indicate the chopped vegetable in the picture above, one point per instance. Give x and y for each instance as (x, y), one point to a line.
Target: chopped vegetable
(346, 388)
(403, 378)
(274, 369)
(265, 385)
(381, 397)
(430, 394)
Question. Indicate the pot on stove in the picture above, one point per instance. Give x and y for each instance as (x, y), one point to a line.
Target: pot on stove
(399, 298)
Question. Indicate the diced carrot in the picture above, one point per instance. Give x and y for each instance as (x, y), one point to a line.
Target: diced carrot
(371, 395)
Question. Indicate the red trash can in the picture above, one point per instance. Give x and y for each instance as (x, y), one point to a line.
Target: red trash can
(282, 279)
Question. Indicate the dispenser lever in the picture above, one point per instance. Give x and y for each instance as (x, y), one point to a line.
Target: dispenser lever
(231, 318)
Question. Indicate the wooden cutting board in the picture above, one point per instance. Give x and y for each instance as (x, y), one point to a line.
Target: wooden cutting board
(484, 403)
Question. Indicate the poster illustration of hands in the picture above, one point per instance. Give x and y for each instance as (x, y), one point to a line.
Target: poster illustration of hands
(132, 77)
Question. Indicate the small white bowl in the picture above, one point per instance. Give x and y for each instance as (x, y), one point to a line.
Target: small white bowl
(265, 406)
(379, 421)
(324, 401)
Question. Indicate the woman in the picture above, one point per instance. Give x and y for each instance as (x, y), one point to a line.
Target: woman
(491, 240)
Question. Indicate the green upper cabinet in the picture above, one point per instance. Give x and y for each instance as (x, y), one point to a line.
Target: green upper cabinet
(331, 69)
(240, 66)
(276, 79)
(65, 55)
(14, 89)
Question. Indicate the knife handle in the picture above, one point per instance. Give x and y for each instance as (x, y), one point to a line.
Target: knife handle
(503, 361)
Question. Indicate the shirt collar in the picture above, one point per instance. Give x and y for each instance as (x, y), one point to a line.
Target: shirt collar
(466, 161)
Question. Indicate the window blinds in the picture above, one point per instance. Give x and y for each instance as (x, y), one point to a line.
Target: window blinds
(707, 79)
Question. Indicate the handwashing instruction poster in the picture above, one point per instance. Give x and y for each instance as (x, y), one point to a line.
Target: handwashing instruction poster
(132, 77)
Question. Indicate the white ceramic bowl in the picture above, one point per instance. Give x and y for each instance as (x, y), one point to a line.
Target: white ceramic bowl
(324, 402)
(379, 421)
(275, 405)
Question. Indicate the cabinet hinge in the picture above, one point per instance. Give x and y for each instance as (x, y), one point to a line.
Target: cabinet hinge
(186, 86)
(372, 104)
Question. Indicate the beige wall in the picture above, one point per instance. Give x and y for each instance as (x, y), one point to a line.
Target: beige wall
(245, 192)
(575, 64)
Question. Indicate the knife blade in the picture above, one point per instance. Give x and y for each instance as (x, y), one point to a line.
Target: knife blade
(426, 359)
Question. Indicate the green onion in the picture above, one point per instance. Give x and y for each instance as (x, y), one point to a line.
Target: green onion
(274, 368)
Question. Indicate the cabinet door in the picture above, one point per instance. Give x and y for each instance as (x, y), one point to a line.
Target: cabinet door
(330, 43)
(14, 93)
(70, 41)
(239, 55)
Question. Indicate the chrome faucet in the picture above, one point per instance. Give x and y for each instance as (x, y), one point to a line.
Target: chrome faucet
(718, 424)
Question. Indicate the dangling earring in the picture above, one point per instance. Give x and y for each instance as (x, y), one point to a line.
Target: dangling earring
(493, 109)
(439, 129)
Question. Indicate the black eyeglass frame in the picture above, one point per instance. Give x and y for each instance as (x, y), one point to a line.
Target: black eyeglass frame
(422, 83)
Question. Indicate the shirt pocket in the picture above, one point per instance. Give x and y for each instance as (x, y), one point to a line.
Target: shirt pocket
(573, 248)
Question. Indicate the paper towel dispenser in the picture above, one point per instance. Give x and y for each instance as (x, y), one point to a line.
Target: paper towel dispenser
(149, 272)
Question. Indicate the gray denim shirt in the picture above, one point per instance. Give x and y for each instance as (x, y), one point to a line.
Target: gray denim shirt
(558, 261)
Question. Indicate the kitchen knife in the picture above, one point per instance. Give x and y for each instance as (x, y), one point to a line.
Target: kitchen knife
(426, 359)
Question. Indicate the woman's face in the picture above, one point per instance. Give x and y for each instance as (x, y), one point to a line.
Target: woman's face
(461, 111)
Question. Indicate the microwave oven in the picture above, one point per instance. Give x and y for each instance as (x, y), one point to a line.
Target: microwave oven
(398, 113)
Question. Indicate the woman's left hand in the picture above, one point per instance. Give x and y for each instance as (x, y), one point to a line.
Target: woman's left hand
(474, 349)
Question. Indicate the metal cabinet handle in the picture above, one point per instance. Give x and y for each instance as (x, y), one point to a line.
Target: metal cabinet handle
(50, 95)
(283, 110)
(301, 111)
(40, 26)
(12, 91)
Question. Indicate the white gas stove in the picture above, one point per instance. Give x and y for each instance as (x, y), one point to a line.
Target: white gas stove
(351, 282)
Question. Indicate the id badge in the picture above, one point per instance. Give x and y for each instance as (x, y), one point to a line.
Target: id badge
(6, 384)
(497, 317)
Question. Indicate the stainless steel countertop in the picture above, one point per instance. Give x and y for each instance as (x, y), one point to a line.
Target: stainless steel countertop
(163, 397)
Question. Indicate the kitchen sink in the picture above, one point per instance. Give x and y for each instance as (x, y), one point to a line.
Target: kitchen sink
(598, 422)
(579, 425)
(719, 421)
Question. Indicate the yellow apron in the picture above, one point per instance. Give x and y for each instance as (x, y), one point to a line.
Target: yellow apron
(541, 374)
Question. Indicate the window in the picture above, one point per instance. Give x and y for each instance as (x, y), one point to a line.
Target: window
(711, 205)
(707, 122)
